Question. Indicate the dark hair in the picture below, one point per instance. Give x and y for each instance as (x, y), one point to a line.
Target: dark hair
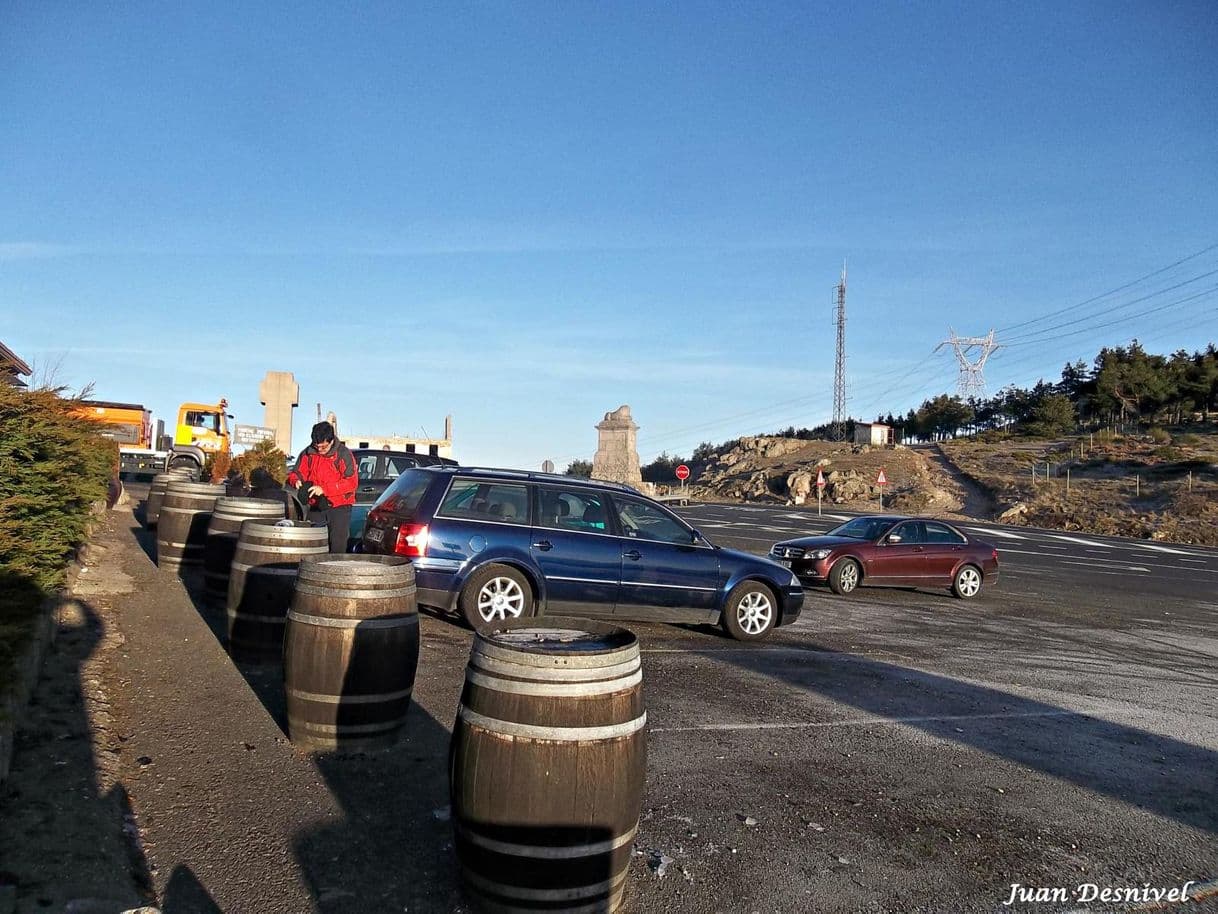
(323, 431)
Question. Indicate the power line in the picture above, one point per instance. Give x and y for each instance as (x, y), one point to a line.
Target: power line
(1103, 295)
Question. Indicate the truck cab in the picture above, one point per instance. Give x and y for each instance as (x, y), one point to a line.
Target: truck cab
(201, 430)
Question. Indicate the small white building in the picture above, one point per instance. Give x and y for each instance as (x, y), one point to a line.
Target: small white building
(436, 447)
(872, 433)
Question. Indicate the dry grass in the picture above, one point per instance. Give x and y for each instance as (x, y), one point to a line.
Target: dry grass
(1129, 486)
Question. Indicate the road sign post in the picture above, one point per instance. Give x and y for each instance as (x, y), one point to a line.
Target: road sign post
(881, 481)
(820, 489)
(682, 474)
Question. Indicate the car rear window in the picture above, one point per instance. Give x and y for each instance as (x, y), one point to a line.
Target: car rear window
(404, 494)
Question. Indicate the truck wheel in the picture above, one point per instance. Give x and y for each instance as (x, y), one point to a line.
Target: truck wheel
(182, 462)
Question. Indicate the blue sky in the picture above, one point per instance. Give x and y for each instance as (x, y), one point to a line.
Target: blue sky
(527, 214)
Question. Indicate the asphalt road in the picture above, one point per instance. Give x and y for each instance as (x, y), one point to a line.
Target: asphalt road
(895, 750)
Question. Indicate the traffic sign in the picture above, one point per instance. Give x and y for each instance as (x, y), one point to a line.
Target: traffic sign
(682, 472)
(881, 480)
(820, 479)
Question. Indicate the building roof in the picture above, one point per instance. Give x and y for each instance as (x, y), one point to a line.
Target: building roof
(12, 366)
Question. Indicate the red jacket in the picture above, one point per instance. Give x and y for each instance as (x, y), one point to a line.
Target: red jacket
(336, 473)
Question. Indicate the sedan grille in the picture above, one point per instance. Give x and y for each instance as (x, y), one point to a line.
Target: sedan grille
(787, 552)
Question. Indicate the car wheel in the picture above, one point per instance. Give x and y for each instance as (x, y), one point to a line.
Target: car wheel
(751, 611)
(494, 594)
(967, 582)
(844, 576)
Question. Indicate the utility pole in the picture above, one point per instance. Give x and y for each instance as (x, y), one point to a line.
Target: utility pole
(838, 432)
(972, 380)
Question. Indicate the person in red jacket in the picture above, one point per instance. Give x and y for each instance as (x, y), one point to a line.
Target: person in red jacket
(326, 474)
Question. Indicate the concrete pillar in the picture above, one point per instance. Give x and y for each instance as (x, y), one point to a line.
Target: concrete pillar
(617, 454)
(279, 393)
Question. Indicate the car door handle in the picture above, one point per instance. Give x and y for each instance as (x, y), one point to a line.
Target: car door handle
(544, 546)
(368, 489)
(632, 554)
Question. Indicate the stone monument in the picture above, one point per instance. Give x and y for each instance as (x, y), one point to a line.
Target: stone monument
(279, 393)
(617, 455)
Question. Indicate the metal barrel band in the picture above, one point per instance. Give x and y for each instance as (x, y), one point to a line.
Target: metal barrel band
(533, 658)
(327, 622)
(349, 699)
(313, 590)
(554, 734)
(246, 617)
(347, 729)
(572, 689)
(261, 569)
(546, 852)
(511, 667)
(521, 893)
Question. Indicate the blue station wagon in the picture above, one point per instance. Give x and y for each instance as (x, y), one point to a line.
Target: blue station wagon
(494, 545)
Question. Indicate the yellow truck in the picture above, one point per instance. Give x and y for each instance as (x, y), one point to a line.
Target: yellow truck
(201, 429)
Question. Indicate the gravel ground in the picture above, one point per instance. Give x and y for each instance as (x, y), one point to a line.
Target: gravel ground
(894, 752)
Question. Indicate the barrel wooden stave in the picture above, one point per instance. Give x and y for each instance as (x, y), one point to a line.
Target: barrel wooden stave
(351, 651)
(547, 772)
(261, 578)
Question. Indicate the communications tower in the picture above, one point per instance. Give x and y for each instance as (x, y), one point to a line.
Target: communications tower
(838, 430)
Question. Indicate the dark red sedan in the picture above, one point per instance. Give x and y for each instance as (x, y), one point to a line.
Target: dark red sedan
(892, 551)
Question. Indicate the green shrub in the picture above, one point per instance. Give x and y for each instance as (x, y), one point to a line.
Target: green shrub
(1160, 436)
(53, 468)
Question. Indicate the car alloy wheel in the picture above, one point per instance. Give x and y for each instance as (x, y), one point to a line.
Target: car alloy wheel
(500, 598)
(750, 612)
(967, 583)
(755, 613)
(844, 577)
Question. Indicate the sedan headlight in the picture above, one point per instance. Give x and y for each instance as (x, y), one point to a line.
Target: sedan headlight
(820, 554)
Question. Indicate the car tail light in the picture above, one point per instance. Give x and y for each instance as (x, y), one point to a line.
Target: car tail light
(411, 541)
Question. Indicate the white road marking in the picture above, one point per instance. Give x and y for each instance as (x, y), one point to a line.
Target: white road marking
(1091, 564)
(1160, 549)
(1075, 539)
(1004, 534)
(864, 722)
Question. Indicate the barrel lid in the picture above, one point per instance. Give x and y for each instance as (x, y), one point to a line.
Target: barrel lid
(560, 636)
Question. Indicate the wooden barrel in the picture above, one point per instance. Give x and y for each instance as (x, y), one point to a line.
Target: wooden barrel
(156, 493)
(546, 770)
(350, 651)
(181, 534)
(223, 531)
(261, 577)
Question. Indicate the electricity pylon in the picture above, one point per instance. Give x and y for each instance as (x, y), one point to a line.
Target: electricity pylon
(972, 378)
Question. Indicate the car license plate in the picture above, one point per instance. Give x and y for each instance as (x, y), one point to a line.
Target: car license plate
(374, 535)
(785, 563)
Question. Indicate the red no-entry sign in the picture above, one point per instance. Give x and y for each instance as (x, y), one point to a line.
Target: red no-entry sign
(683, 472)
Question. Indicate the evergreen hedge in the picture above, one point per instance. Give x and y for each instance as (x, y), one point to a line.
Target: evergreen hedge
(53, 468)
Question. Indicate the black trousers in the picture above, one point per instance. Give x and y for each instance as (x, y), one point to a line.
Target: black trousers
(338, 519)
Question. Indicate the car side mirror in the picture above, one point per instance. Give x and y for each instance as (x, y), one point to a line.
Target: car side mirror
(893, 538)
